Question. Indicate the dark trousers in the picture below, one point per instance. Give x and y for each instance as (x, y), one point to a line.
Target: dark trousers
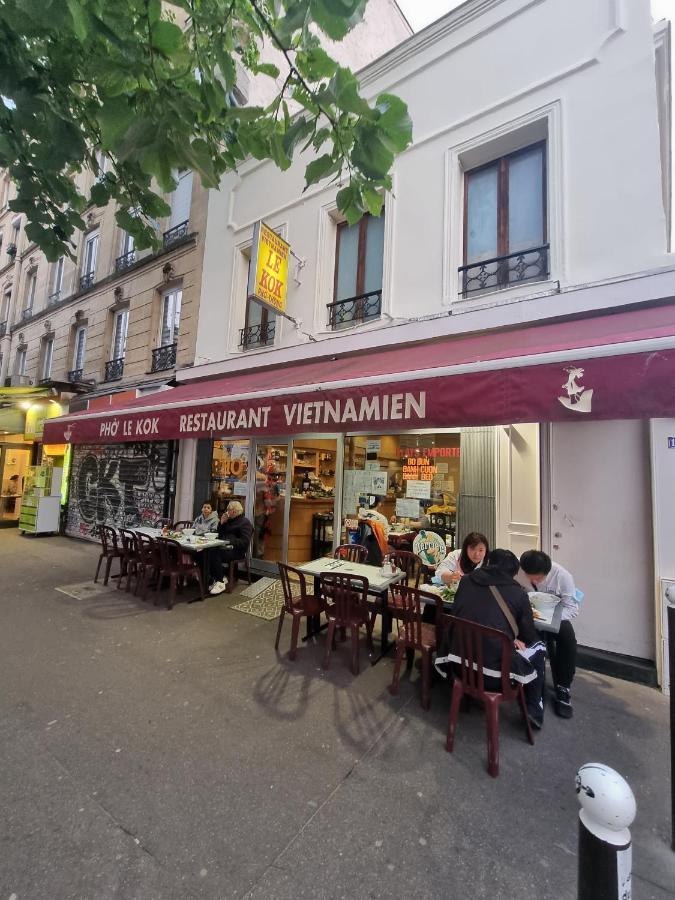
(219, 560)
(562, 652)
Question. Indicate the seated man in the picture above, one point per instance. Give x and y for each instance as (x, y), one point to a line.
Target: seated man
(237, 530)
(207, 520)
(476, 602)
(550, 578)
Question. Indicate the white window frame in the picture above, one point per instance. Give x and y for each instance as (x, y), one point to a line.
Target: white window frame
(89, 259)
(57, 279)
(128, 244)
(80, 332)
(31, 287)
(21, 354)
(5, 305)
(47, 358)
(170, 299)
(122, 315)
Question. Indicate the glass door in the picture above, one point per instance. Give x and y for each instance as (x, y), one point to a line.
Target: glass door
(312, 472)
(272, 465)
(13, 464)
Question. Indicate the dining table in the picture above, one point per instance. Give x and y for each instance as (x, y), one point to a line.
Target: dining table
(378, 585)
(194, 544)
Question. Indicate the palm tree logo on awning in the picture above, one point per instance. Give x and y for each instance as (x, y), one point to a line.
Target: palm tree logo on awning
(578, 397)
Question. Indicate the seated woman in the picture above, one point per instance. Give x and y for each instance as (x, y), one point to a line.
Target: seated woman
(460, 562)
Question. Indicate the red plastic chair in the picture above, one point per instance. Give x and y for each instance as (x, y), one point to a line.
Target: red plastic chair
(468, 639)
(298, 603)
(346, 599)
(413, 635)
(111, 549)
(355, 553)
(129, 562)
(149, 563)
(411, 565)
(177, 568)
(179, 526)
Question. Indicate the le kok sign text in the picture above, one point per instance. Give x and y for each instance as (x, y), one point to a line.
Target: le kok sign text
(268, 273)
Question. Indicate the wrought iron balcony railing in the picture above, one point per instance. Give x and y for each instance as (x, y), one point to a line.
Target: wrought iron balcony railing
(54, 297)
(354, 310)
(505, 271)
(125, 261)
(163, 358)
(75, 375)
(3, 329)
(114, 369)
(175, 234)
(257, 335)
(87, 280)
(26, 313)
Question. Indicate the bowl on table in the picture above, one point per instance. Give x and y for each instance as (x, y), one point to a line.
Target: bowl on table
(211, 535)
(544, 603)
(188, 532)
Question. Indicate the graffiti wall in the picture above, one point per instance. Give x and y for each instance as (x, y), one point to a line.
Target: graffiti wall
(116, 484)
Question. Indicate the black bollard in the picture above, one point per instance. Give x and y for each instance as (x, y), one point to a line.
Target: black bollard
(605, 856)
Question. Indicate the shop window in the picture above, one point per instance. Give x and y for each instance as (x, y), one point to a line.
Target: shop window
(505, 230)
(410, 480)
(357, 289)
(229, 474)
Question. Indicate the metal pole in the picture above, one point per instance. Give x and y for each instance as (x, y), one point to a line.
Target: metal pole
(605, 856)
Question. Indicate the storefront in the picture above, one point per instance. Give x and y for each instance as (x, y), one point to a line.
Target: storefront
(494, 432)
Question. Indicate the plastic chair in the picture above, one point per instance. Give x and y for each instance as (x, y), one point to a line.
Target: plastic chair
(129, 561)
(111, 549)
(346, 606)
(413, 635)
(468, 639)
(162, 523)
(233, 568)
(179, 526)
(149, 563)
(298, 603)
(411, 564)
(177, 568)
(355, 553)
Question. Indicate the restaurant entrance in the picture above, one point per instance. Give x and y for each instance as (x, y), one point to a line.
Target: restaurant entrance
(294, 503)
(14, 460)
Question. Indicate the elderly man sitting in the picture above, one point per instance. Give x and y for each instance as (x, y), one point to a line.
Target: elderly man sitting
(207, 520)
(235, 528)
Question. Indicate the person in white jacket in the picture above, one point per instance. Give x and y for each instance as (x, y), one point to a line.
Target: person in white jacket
(551, 578)
(460, 562)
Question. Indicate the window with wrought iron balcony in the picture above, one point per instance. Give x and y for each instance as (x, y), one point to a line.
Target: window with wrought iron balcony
(505, 217)
(175, 234)
(114, 367)
(357, 292)
(88, 276)
(164, 356)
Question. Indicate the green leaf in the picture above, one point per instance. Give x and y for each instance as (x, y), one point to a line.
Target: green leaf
(370, 154)
(267, 69)
(167, 38)
(99, 194)
(80, 18)
(373, 199)
(114, 117)
(296, 131)
(319, 168)
(337, 17)
(349, 203)
(394, 121)
(316, 64)
(344, 88)
(154, 11)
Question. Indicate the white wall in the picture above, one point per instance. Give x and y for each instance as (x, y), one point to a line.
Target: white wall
(601, 530)
(518, 480)
(663, 502)
(579, 71)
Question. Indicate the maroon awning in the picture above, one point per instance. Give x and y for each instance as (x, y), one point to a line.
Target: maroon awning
(546, 373)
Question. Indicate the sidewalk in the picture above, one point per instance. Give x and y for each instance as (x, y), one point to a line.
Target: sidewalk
(153, 755)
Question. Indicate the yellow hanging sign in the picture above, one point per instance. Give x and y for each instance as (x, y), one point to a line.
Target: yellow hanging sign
(268, 274)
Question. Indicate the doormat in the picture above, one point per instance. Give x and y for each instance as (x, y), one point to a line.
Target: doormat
(87, 589)
(267, 602)
(262, 585)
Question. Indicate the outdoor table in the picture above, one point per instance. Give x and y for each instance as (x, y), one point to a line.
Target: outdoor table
(378, 584)
(189, 546)
(553, 627)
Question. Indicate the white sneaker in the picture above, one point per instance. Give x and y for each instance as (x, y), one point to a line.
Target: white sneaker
(217, 587)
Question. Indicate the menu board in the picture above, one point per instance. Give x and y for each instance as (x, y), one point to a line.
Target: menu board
(420, 490)
(408, 509)
(355, 483)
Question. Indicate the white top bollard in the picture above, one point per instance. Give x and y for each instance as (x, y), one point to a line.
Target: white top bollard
(607, 803)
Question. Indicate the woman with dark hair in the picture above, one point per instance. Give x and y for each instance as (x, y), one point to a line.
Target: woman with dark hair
(460, 562)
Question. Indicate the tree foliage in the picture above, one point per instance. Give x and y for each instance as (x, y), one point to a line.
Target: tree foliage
(150, 86)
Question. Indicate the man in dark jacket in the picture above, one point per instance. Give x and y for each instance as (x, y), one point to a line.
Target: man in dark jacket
(475, 601)
(236, 529)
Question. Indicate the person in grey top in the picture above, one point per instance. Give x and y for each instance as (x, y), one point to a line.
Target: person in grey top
(207, 520)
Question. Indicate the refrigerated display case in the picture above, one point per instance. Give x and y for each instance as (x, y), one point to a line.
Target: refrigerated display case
(41, 501)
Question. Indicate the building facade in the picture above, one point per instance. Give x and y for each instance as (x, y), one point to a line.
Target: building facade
(496, 349)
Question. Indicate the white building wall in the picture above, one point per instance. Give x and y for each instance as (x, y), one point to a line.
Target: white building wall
(586, 82)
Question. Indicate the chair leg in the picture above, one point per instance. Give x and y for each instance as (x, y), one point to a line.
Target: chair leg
(171, 599)
(132, 569)
(369, 634)
(409, 657)
(98, 567)
(230, 577)
(457, 695)
(108, 567)
(330, 640)
(426, 679)
(395, 681)
(281, 622)
(295, 633)
(197, 572)
(492, 715)
(523, 706)
(354, 629)
(248, 572)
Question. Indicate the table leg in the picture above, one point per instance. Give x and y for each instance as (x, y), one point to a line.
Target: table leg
(314, 625)
(385, 644)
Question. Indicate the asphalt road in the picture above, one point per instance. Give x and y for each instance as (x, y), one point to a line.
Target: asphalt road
(153, 755)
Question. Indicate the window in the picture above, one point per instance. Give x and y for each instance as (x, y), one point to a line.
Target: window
(170, 323)
(127, 243)
(57, 278)
(47, 355)
(90, 253)
(181, 199)
(4, 307)
(79, 349)
(102, 162)
(31, 285)
(505, 222)
(21, 361)
(120, 325)
(357, 292)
